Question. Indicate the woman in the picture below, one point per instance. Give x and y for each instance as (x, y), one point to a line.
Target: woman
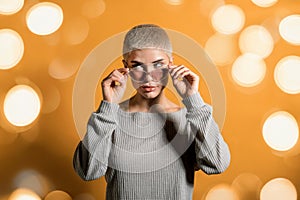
(148, 147)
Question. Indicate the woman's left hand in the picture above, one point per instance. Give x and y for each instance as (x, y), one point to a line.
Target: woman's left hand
(184, 80)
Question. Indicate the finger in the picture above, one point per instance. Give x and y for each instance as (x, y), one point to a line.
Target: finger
(172, 66)
(123, 70)
(175, 69)
(187, 76)
(121, 73)
(108, 78)
(117, 73)
(192, 77)
(172, 69)
(180, 72)
(120, 80)
(114, 80)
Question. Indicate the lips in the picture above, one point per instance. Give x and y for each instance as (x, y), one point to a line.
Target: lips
(148, 88)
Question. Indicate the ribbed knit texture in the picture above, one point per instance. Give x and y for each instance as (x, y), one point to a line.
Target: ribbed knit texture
(151, 155)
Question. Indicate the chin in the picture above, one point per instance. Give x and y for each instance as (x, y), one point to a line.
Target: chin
(149, 96)
(150, 93)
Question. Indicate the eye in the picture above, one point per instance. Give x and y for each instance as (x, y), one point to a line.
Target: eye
(138, 67)
(158, 65)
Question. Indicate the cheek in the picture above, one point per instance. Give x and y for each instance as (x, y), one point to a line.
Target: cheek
(164, 82)
(135, 85)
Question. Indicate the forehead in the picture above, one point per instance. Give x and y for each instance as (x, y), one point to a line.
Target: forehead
(147, 55)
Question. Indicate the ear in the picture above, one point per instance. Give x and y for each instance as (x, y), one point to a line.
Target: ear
(125, 63)
(171, 61)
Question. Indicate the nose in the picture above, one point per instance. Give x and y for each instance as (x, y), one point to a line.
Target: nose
(148, 77)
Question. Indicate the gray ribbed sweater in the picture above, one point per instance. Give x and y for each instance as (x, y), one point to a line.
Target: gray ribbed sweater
(151, 155)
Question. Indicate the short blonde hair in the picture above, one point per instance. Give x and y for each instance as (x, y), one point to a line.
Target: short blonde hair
(146, 36)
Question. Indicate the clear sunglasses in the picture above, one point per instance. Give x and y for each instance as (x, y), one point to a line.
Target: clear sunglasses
(138, 73)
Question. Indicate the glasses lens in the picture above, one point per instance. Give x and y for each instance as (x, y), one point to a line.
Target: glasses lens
(137, 75)
(158, 74)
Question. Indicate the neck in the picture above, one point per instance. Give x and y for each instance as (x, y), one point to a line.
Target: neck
(142, 104)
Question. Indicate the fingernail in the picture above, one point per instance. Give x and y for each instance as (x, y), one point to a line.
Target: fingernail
(179, 78)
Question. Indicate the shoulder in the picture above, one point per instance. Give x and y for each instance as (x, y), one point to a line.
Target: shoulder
(171, 107)
(124, 105)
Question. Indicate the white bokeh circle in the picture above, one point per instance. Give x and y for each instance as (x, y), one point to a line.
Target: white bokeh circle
(264, 3)
(287, 73)
(21, 105)
(11, 48)
(9, 7)
(248, 70)
(228, 19)
(257, 40)
(289, 29)
(281, 131)
(44, 18)
(278, 189)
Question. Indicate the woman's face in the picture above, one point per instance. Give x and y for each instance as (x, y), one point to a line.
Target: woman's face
(148, 71)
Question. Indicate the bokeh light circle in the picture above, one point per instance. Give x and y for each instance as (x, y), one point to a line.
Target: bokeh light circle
(289, 29)
(281, 131)
(221, 191)
(174, 2)
(84, 196)
(93, 8)
(247, 186)
(33, 180)
(11, 48)
(58, 194)
(248, 70)
(207, 8)
(24, 194)
(256, 39)
(44, 18)
(228, 19)
(287, 74)
(63, 67)
(51, 99)
(221, 48)
(21, 105)
(271, 24)
(278, 189)
(264, 3)
(9, 7)
(75, 30)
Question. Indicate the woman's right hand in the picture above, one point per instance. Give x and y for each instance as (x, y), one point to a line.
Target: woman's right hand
(114, 85)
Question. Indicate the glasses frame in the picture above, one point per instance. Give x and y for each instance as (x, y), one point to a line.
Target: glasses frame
(165, 66)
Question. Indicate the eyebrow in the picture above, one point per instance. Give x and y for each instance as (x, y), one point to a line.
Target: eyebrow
(159, 60)
(137, 62)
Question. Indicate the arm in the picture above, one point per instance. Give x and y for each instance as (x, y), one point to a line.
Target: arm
(91, 156)
(212, 153)
(90, 159)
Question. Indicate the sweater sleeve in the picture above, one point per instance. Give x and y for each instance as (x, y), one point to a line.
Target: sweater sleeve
(212, 152)
(90, 159)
